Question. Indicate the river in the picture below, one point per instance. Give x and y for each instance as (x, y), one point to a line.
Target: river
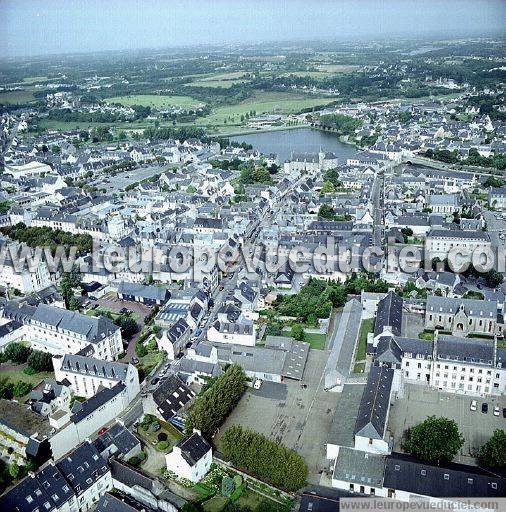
(303, 140)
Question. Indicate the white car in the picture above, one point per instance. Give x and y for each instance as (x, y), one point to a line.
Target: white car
(497, 411)
(257, 384)
(473, 405)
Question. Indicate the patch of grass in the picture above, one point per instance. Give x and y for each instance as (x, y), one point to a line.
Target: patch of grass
(215, 504)
(317, 340)
(359, 367)
(426, 335)
(18, 373)
(366, 327)
(155, 100)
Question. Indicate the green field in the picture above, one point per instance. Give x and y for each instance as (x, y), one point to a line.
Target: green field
(263, 103)
(233, 75)
(155, 100)
(317, 340)
(16, 97)
(366, 327)
(16, 373)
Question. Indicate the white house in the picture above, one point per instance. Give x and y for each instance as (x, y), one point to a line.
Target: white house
(190, 458)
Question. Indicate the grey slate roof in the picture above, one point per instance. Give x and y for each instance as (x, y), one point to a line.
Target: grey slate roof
(375, 403)
(472, 307)
(193, 448)
(171, 396)
(82, 365)
(389, 314)
(93, 329)
(405, 473)
(358, 467)
(92, 404)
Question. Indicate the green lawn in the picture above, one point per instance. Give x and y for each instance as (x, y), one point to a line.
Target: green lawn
(215, 504)
(155, 100)
(317, 340)
(366, 327)
(16, 373)
(359, 367)
(426, 335)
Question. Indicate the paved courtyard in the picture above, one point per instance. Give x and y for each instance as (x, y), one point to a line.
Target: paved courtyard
(419, 402)
(412, 324)
(299, 418)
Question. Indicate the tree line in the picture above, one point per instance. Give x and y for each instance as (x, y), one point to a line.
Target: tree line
(263, 458)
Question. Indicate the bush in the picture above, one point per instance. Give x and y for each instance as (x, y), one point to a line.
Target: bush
(21, 388)
(40, 361)
(141, 350)
(227, 486)
(264, 458)
(17, 352)
(493, 452)
(162, 446)
(141, 456)
(162, 436)
(134, 461)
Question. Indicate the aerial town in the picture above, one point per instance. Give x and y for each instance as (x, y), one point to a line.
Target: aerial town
(259, 279)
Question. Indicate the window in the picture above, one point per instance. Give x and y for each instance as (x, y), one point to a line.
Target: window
(447, 476)
(423, 472)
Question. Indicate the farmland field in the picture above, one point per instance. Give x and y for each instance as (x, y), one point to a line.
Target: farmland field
(15, 97)
(263, 103)
(155, 100)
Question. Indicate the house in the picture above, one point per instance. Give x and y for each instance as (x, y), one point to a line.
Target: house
(190, 458)
(388, 315)
(149, 295)
(497, 198)
(445, 203)
(170, 398)
(238, 332)
(86, 375)
(173, 340)
(53, 395)
(24, 434)
(117, 441)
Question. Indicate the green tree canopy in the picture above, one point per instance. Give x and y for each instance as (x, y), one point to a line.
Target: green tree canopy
(435, 440)
(493, 452)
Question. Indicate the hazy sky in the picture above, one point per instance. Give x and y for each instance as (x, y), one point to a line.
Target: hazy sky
(39, 27)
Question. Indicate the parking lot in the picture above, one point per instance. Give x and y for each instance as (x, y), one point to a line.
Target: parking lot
(298, 417)
(419, 402)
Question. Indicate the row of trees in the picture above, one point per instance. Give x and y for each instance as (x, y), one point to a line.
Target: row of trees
(438, 440)
(19, 354)
(264, 458)
(212, 407)
(47, 237)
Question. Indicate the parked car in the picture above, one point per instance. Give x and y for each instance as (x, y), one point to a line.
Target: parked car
(484, 407)
(504, 412)
(497, 411)
(135, 360)
(257, 384)
(154, 381)
(473, 405)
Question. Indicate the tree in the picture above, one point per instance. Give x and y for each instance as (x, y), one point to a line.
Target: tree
(17, 352)
(297, 332)
(128, 325)
(40, 361)
(435, 440)
(227, 486)
(68, 282)
(493, 452)
(328, 187)
(493, 278)
(493, 181)
(6, 388)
